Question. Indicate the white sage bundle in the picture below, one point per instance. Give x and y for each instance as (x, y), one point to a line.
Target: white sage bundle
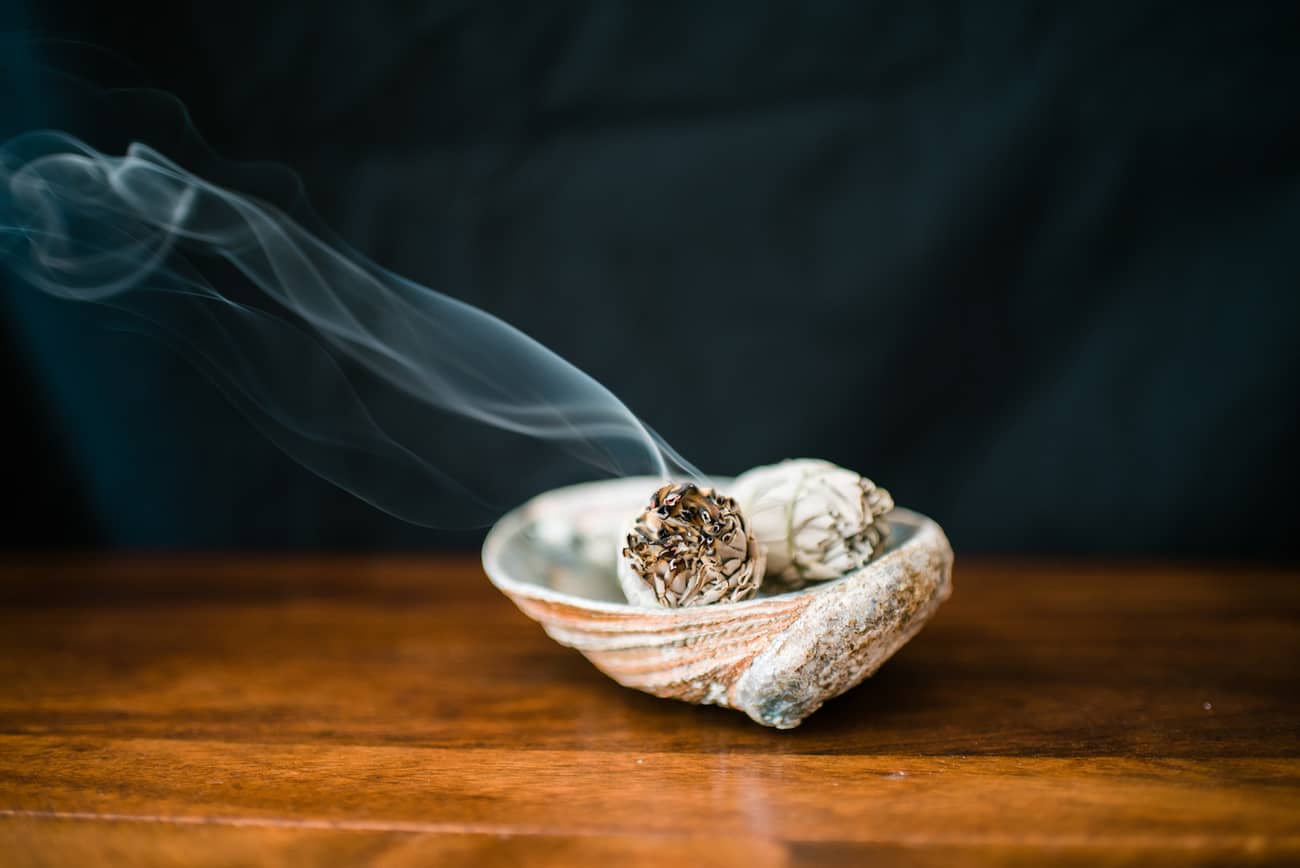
(814, 519)
(690, 547)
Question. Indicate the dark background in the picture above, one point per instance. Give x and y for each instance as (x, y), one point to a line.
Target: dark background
(1034, 270)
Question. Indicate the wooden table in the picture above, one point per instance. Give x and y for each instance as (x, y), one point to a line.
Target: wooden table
(400, 712)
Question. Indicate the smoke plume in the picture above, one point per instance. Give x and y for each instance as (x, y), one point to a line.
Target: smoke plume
(301, 335)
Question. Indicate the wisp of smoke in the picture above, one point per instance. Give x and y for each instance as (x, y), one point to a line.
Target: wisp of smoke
(294, 331)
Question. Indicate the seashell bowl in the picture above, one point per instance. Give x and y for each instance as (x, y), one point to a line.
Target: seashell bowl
(776, 658)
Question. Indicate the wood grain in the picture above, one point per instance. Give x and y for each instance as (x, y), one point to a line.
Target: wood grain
(315, 711)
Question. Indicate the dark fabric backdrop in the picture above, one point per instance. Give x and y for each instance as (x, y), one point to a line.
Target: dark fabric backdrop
(1034, 270)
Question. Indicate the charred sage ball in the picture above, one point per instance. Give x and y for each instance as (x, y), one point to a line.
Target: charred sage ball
(690, 547)
(815, 520)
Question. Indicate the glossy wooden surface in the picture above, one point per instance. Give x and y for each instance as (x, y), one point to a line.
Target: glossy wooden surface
(321, 711)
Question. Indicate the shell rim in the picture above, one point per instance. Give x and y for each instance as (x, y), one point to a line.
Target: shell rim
(512, 521)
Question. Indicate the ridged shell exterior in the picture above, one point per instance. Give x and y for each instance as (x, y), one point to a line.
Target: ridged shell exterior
(775, 658)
